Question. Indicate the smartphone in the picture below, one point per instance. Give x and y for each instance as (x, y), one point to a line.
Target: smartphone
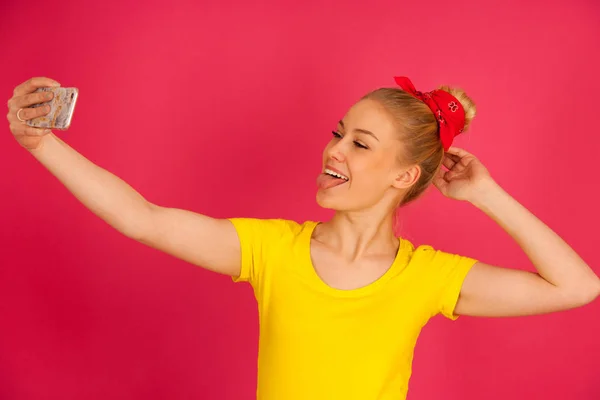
(62, 106)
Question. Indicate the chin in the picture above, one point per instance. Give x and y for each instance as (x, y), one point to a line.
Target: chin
(331, 202)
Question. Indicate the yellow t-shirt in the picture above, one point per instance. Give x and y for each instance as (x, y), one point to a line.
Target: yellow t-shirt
(321, 343)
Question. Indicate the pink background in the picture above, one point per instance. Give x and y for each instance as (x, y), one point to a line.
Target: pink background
(224, 108)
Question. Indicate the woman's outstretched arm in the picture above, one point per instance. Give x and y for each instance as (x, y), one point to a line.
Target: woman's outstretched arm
(201, 240)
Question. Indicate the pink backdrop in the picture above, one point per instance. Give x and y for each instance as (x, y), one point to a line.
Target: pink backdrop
(224, 108)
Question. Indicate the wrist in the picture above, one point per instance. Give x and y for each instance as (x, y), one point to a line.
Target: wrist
(486, 194)
(37, 151)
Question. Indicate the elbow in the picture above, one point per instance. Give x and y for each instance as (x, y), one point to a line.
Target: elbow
(585, 294)
(596, 290)
(138, 226)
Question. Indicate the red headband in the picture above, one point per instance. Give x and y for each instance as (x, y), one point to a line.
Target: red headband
(448, 111)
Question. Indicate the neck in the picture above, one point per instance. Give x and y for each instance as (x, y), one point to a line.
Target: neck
(357, 234)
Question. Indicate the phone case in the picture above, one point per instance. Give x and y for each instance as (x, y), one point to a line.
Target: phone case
(62, 107)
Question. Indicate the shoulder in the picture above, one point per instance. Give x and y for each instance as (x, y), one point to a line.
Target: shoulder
(416, 252)
(434, 259)
(271, 228)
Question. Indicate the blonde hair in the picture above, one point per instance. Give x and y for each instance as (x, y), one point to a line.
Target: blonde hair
(418, 131)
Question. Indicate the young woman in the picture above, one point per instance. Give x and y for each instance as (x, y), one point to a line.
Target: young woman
(342, 302)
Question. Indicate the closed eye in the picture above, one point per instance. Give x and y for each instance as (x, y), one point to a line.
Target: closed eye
(356, 143)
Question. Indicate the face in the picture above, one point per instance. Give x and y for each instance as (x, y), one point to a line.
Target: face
(360, 163)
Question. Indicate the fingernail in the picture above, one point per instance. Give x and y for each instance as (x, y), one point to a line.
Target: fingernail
(47, 131)
(54, 83)
(49, 95)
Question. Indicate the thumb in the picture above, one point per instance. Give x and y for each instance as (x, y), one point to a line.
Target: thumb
(440, 182)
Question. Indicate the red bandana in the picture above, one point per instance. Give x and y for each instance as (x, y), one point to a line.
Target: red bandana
(446, 108)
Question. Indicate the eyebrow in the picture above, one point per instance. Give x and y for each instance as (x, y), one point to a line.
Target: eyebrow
(364, 131)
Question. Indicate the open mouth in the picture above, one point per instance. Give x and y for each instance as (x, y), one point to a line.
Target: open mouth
(330, 178)
(336, 175)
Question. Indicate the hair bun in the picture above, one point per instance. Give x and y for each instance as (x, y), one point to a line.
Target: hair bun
(468, 104)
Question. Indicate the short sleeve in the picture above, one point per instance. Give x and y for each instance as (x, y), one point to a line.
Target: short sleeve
(259, 239)
(447, 273)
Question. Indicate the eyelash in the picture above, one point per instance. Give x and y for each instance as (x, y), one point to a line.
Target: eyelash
(357, 144)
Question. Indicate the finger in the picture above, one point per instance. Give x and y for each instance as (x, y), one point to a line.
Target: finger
(464, 157)
(448, 162)
(33, 84)
(455, 167)
(29, 99)
(26, 130)
(445, 175)
(450, 175)
(458, 151)
(453, 157)
(30, 113)
(440, 182)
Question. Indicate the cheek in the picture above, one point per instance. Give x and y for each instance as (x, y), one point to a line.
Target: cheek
(372, 169)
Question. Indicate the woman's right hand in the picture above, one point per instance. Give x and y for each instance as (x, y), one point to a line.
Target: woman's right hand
(23, 97)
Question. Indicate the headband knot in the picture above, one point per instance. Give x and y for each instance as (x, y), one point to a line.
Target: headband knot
(447, 110)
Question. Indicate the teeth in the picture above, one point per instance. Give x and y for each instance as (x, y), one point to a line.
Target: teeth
(332, 173)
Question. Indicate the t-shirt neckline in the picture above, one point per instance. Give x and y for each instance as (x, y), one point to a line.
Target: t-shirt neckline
(324, 287)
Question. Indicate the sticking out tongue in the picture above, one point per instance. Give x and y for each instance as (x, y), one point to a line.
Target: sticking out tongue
(325, 181)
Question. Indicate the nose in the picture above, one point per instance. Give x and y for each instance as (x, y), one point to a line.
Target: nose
(336, 152)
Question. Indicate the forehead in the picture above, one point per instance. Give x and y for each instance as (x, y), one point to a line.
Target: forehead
(370, 115)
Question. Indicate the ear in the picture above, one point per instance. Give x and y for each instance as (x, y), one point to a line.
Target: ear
(407, 177)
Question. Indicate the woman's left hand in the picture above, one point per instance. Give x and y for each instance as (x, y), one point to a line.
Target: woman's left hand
(466, 177)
